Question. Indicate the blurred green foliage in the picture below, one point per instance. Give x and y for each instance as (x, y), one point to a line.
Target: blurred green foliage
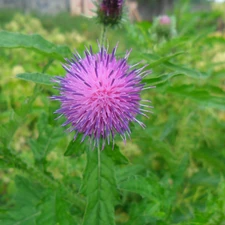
(175, 173)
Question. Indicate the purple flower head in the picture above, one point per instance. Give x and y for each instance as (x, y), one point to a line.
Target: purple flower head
(164, 20)
(100, 95)
(110, 12)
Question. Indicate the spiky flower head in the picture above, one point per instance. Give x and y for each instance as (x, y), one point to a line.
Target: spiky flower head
(100, 95)
(110, 12)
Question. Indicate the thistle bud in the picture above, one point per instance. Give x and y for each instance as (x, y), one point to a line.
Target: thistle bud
(165, 20)
(164, 27)
(110, 12)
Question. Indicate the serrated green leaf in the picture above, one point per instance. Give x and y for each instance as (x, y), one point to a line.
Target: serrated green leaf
(180, 69)
(130, 170)
(47, 139)
(24, 211)
(27, 193)
(99, 186)
(203, 177)
(4, 164)
(180, 171)
(7, 130)
(54, 210)
(208, 156)
(159, 146)
(75, 147)
(170, 128)
(39, 78)
(203, 97)
(34, 205)
(185, 70)
(161, 80)
(137, 184)
(164, 59)
(150, 56)
(24, 215)
(34, 42)
(116, 155)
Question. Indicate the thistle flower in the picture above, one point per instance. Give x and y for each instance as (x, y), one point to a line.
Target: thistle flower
(100, 95)
(110, 12)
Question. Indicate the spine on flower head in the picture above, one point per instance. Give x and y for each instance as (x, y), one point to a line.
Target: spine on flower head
(109, 12)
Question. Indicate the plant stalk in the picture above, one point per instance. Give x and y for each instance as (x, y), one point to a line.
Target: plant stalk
(103, 36)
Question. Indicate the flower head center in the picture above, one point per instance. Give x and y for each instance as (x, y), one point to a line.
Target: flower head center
(102, 94)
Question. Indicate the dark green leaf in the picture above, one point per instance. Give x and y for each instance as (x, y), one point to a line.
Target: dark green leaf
(34, 42)
(99, 185)
(75, 147)
(203, 97)
(27, 193)
(39, 78)
(164, 59)
(24, 211)
(180, 171)
(48, 138)
(185, 70)
(24, 215)
(54, 210)
(209, 157)
(158, 145)
(130, 170)
(116, 155)
(137, 184)
(4, 164)
(161, 80)
(205, 178)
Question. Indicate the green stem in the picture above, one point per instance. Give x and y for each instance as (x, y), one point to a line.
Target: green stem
(103, 36)
(99, 166)
(99, 179)
(50, 61)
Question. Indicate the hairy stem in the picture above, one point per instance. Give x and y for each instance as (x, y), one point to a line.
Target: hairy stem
(103, 36)
(49, 63)
(99, 162)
